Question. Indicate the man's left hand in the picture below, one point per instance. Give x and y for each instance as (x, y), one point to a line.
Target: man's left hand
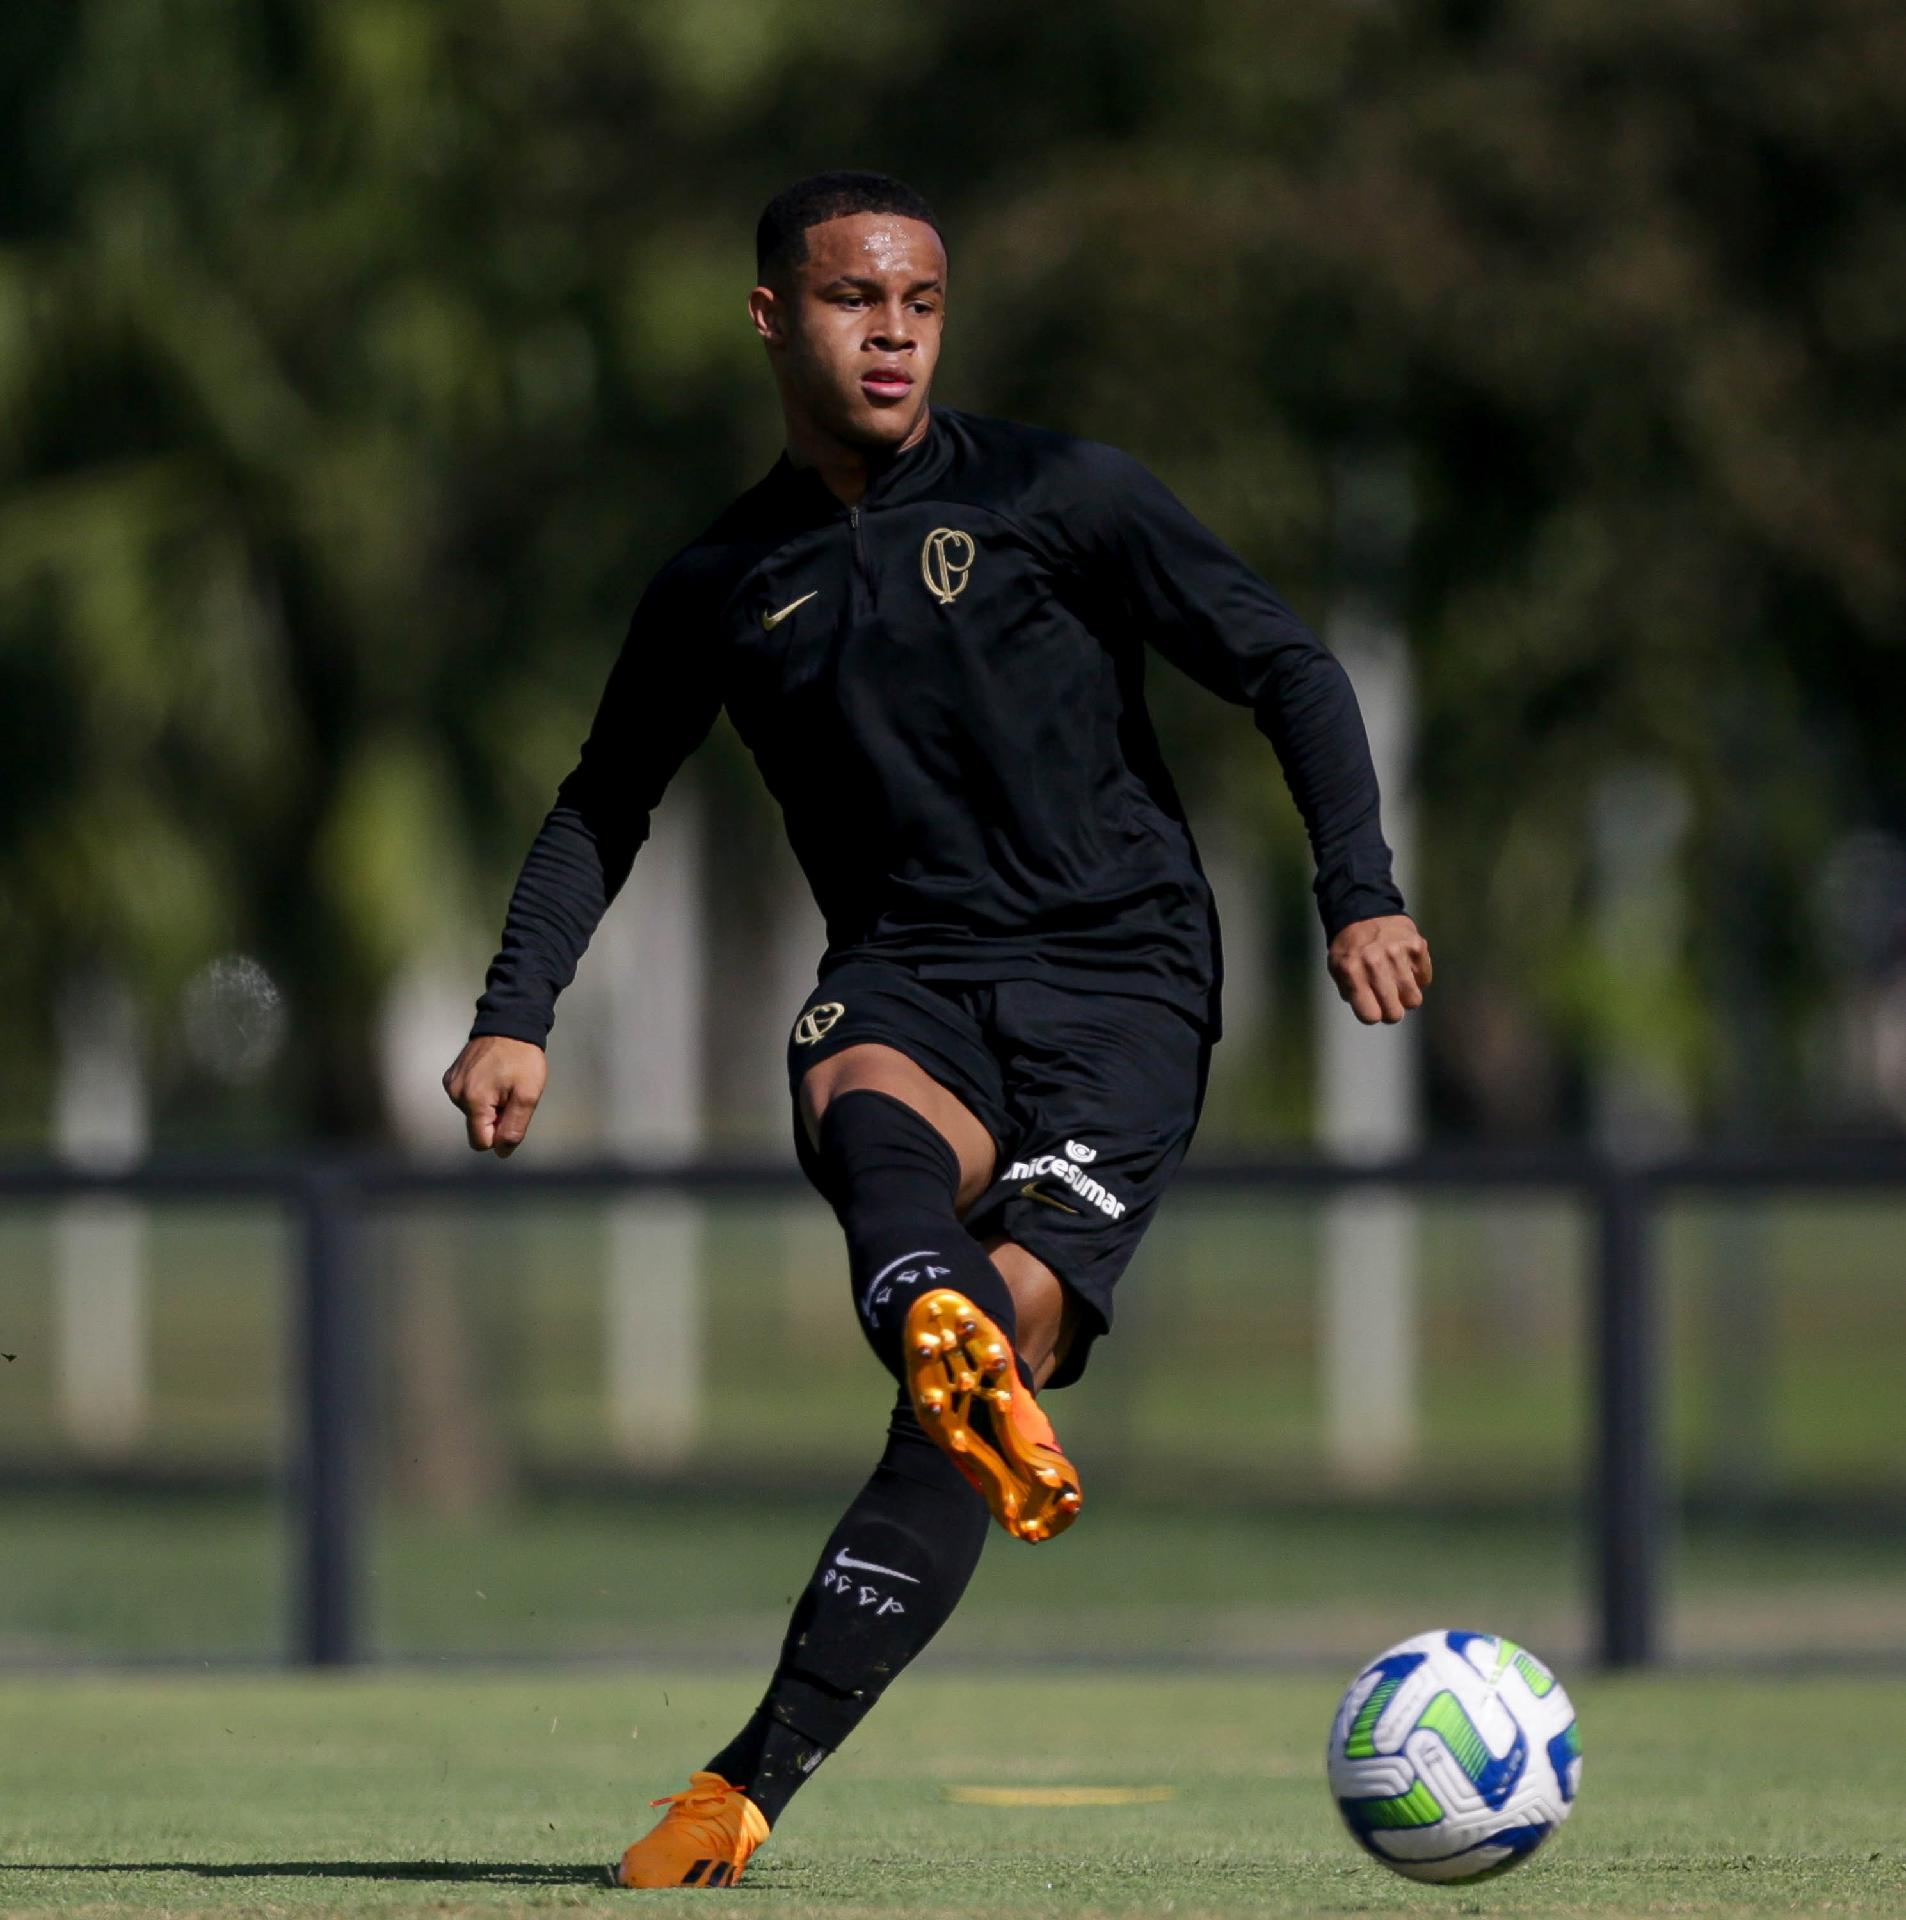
(1381, 967)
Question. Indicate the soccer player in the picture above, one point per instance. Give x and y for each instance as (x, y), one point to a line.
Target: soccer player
(930, 629)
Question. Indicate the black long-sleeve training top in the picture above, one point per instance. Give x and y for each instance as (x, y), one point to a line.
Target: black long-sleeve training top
(943, 687)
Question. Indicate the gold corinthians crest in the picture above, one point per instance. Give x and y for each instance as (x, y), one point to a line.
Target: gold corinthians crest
(817, 1022)
(946, 558)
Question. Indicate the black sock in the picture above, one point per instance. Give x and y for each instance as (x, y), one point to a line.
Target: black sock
(890, 1575)
(770, 1761)
(892, 1182)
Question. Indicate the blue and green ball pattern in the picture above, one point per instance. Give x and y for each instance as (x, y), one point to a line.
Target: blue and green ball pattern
(1502, 1820)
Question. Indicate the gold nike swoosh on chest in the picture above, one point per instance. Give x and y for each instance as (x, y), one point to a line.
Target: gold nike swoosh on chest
(769, 621)
(1030, 1191)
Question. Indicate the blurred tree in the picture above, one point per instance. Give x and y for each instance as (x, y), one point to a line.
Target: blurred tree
(358, 360)
(1628, 280)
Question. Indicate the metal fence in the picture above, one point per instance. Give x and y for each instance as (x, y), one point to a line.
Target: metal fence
(1624, 1477)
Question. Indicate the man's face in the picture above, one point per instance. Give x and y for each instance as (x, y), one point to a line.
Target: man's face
(854, 332)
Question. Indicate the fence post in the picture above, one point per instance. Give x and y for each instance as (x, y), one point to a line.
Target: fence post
(330, 1372)
(1628, 1493)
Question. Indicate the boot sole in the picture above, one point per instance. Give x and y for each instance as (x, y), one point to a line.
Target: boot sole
(963, 1384)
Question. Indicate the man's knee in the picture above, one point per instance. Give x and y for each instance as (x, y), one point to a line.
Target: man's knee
(877, 1153)
(873, 1068)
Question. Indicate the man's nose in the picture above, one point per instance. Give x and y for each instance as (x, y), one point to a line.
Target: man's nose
(894, 330)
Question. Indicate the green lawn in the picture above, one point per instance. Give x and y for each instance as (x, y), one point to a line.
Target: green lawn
(451, 1794)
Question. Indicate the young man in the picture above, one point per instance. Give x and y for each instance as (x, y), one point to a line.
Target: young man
(930, 630)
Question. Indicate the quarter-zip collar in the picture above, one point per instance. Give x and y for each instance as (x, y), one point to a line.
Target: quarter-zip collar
(906, 476)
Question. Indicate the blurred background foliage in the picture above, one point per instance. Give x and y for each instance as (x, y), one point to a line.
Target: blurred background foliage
(359, 360)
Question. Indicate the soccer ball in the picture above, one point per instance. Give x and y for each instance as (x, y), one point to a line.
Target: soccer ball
(1454, 1756)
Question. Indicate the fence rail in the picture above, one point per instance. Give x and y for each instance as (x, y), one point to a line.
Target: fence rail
(1625, 1480)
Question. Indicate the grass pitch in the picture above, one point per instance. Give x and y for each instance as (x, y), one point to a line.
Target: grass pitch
(459, 1792)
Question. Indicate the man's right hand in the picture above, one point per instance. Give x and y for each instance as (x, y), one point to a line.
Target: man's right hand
(497, 1082)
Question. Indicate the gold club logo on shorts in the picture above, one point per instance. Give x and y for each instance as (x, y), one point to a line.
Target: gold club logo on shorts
(946, 558)
(817, 1022)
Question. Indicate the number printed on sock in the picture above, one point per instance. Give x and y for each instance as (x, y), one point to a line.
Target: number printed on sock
(833, 1581)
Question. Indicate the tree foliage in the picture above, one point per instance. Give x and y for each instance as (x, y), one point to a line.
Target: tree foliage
(358, 360)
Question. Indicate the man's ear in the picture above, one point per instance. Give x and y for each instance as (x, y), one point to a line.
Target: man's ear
(764, 309)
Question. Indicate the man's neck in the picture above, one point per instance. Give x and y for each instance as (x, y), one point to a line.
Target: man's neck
(846, 471)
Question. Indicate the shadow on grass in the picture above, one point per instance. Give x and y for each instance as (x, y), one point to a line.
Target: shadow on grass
(513, 1873)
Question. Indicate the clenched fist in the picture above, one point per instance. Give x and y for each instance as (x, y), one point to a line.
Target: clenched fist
(497, 1082)
(1381, 967)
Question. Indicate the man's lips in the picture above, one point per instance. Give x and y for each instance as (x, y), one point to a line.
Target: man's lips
(887, 383)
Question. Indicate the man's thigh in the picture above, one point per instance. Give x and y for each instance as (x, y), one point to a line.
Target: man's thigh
(1103, 1093)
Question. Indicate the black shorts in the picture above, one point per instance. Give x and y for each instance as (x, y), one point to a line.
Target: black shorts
(1091, 1100)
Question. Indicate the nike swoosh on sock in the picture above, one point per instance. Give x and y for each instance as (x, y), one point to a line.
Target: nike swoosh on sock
(845, 1559)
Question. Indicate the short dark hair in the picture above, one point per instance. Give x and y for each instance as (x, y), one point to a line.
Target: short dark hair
(780, 236)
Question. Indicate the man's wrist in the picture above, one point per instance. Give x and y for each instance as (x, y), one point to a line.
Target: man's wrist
(503, 1027)
(1360, 903)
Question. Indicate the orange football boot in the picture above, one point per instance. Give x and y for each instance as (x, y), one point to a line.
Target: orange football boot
(967, 1394)
(703, 1840)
